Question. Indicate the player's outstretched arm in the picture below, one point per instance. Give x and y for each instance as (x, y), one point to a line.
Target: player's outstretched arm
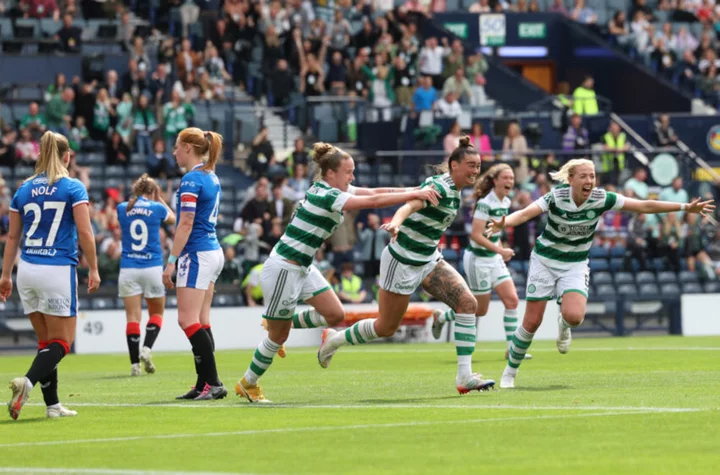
(11, 250)
(383, 200)
(359, 191)
(403, 213)
(653, 207)
(515, 219)
(81, 215)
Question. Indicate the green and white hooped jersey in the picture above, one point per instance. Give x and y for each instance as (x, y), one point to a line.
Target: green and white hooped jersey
(419, 236)
(487, 207)
(570, 229)
(314, 221)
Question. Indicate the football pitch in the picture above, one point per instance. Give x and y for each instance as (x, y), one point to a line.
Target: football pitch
(622, 405)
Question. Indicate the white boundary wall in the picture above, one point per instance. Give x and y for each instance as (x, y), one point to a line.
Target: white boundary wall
(103, 331)
(234, 328)
(700, 314)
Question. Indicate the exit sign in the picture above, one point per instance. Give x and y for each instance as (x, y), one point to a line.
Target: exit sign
(532, 30)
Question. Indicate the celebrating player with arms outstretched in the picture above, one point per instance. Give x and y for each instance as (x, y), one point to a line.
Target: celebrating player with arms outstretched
(141, 267)
(289, 275)
(484, 260)
(412, 260)
(559, 261)
(52, 210)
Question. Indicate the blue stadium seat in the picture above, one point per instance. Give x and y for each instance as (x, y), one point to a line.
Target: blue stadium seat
(171, 301)
(518, 280)
(687, 277)
(670, 289)
(666, 278)
(605, 290)
(645, 277)
(711, 287)
(599, 265)
(658, 264)
(598, 252)
(601, 278)
(617, 251)
(616, 264)
(622, 278)
(115, 171)
(627, 289)
(691, 288)
(649, 289)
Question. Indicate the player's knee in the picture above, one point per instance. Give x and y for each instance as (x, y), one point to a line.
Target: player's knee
(482, 309)
(573, 317)
(335, 317)
(466, 304)
(386, 329)
(511, 302)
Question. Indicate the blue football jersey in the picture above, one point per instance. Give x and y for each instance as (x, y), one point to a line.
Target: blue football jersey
(140, 229)
(47, 216)
(200, 193)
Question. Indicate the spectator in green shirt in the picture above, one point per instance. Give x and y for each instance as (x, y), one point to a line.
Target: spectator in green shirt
(145, 124)
(177, 116)
(676, 194)
(58, 109)
(637, 184)
(102, 114)
(34, 120)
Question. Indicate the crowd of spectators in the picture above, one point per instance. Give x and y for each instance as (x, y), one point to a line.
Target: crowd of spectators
(361, 48)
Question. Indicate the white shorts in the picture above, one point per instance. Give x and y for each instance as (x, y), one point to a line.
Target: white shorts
(545, 283)
(400, 278)
(285, 284)
(197, 270)
(51, 290)
(484, 274)
(146, 282)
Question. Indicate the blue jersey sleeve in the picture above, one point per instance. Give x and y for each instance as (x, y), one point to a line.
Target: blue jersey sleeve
(161, 211)
(78, 194)
(14, 204)
(189, 191)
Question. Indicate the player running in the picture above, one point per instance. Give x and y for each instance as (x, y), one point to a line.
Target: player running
(559, 262)
(141, 267)
(52, 211)
(197, 252)
(484, 260)
(289, 275)
(412, 259)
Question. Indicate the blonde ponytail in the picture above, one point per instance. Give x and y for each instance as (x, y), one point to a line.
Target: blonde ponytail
(563, 175)
(52, 148)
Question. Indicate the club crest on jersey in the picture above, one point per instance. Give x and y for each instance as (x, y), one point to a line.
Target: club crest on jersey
(591, 214)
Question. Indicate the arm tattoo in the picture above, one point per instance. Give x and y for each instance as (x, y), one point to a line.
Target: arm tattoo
(446, 284)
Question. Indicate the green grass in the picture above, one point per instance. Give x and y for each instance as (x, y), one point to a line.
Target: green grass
(609, 406)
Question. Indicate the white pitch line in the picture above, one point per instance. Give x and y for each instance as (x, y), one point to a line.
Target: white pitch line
(500, 350)
(242, 405)
(102, 471)
(310, 429)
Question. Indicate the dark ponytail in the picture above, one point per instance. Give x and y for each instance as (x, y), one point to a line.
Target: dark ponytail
(464, 148)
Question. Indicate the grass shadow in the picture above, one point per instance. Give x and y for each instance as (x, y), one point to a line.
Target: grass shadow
(552, 387)
(370, 402)
(22, 420)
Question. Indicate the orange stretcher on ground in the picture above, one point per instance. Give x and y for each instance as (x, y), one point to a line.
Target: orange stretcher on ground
(415, 315)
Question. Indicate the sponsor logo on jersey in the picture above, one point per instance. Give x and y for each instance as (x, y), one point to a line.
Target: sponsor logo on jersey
(576, 229)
